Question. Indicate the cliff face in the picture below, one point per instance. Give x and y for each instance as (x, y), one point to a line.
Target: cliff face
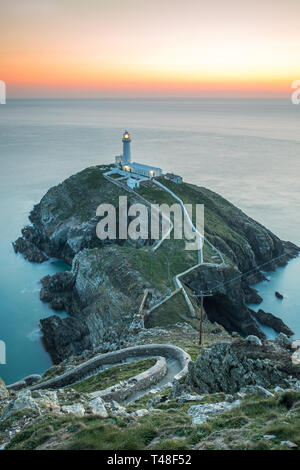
(226, 306)
(107, 281)
(101, 294)
(64, 222)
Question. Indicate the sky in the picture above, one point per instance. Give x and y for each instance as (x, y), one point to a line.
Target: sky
(137, 48)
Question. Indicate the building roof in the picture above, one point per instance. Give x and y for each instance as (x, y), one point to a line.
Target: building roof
(143, 167)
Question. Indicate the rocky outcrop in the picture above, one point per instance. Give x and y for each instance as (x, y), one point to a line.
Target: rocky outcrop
(64, 222)
(3, 390)
(30, 251)
(200, 413)
(227, 304)
(229, 367)
(102, 293)
(271, 320)
(251, 295)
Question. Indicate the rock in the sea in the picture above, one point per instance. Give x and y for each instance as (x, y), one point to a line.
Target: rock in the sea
(30, 251)
(271, 320)
(278, 295)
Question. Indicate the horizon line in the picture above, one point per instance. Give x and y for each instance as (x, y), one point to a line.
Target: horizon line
(276, 97)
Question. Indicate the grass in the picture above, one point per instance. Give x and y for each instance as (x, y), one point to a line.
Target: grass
(170, 428)
(217, 215)
(112, 376)
(172, 311)
(17, 415)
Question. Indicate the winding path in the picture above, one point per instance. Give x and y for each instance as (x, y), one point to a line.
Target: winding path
(171, 364)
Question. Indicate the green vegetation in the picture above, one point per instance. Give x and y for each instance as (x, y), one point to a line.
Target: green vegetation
(16, 416)
(169, 427)
(112, 376)
(174, 310)
(160, 267)
(218, 214)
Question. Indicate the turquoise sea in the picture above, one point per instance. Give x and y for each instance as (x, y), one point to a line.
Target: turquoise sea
(246, 150)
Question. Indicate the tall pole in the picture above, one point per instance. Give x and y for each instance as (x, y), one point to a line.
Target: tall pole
(201, 322)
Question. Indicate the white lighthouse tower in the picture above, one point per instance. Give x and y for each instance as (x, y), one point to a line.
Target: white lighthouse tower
(126, 148)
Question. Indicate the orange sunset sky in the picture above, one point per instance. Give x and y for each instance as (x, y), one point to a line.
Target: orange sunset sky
(121, 48)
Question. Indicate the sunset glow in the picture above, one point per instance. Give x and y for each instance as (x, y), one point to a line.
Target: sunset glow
(160, 48)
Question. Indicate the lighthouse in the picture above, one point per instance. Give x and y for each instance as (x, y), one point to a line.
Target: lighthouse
(126, 148)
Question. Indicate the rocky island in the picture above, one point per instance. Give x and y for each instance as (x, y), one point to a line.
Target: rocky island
(111, 287)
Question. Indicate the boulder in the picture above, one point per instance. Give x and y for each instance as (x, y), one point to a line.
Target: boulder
(283, 341)
(296, 357)
(117, 409)
(76, 409)
(186, 397)
(289, 444)
(296, 344)
(47, 400)
(140, 413)
(278, 295)
(97, 407)
(200, 413)
(23, 401)
(256, 390)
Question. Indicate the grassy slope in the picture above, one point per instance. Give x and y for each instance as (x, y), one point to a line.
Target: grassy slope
(112, 376)
(169, 427)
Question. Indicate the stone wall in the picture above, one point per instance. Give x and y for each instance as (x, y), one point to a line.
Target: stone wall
(145, 379)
